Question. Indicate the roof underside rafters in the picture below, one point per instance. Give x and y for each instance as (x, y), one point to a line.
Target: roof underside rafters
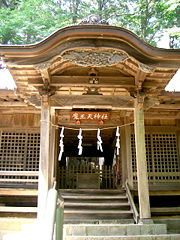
(63, 63)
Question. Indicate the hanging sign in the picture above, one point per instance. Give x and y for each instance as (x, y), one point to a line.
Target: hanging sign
(89, 116)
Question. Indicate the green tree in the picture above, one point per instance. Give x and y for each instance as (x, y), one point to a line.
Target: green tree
(29, 21)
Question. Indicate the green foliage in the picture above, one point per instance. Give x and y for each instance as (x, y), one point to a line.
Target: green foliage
(29, 21)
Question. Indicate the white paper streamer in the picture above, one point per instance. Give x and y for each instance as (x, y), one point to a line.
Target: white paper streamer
(80, 137)
(61, 145)
(117, 141)
(99, 141)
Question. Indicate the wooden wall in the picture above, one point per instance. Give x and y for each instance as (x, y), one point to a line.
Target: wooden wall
(20, 120)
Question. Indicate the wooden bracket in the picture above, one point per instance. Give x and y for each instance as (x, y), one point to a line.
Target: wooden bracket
(139, 79)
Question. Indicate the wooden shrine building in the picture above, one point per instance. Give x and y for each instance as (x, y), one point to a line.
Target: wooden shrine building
(91, 76)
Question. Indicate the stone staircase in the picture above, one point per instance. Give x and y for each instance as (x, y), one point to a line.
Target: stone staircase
(93, 205)
(105, 215)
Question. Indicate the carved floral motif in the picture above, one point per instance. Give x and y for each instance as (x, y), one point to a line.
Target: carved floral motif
(94, 57)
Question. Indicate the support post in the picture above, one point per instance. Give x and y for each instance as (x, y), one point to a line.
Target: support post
(142, 176)
(52, 148)
(44, 164)
(126, 155)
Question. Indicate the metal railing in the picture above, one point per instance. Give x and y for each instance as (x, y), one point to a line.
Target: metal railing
(132, 204)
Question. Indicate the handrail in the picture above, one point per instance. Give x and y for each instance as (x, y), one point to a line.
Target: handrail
(50, 214)
(131, 201)
(59, 218)
(53, 217)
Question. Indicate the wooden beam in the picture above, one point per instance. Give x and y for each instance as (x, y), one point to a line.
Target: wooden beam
(142, 176)
(162, 115)
(18, 192)
(175, 106)
(87, 101)
(44, 166)
(101, 80)
(13, 104)
(81, 81)
(92, 101)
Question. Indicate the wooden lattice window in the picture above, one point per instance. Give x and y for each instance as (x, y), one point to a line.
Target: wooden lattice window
(19, 152)
(33, 152)
(165, 155)
(148, 152)
(161, 155)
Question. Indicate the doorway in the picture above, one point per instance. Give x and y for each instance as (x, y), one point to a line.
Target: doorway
(93, 169)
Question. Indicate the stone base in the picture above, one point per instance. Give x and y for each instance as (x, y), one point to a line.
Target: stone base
(146, 221)
(114, 229)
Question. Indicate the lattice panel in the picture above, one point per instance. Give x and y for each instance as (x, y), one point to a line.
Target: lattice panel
(161, 156)
(148, 152)
(133, 152)
(33, 152)
(12, 151)
(165, 153)
(19, 151)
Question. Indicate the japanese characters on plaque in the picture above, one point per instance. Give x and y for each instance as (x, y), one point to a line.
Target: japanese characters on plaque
(89, 116)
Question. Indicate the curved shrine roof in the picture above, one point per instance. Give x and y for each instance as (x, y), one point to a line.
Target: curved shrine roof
(66, 62)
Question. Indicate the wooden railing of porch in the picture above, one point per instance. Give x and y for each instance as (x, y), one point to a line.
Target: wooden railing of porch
(156, 178)
(19, 177)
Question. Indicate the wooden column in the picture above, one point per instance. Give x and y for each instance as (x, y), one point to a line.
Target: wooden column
(44, 164)
(125, 154)
(178, 137)
(52, 148)
(129, 154)
(142, 177)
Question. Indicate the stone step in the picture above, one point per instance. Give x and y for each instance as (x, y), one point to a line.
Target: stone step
(114, 229)
(99, 221)
(138, 237)
(11, 229)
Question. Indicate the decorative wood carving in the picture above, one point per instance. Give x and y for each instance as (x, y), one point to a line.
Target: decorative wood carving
(146, 68)
(43, 65)
(95, 57)
(61, 101)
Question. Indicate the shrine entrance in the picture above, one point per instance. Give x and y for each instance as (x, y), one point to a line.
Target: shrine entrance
(93, 169)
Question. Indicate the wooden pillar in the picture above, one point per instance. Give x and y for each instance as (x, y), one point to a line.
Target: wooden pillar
(178, 137)
(142, 177)
(44, 164)
(52, 148)
(129, 154)
(123, 156)
(126, 156)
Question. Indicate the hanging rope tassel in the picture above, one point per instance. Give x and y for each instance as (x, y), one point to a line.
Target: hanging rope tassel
(61, 145)
(99, 141)
(80, 137)
(117, 141)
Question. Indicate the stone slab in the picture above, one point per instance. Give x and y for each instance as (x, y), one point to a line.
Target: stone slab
(114, 229)
(138, 237)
